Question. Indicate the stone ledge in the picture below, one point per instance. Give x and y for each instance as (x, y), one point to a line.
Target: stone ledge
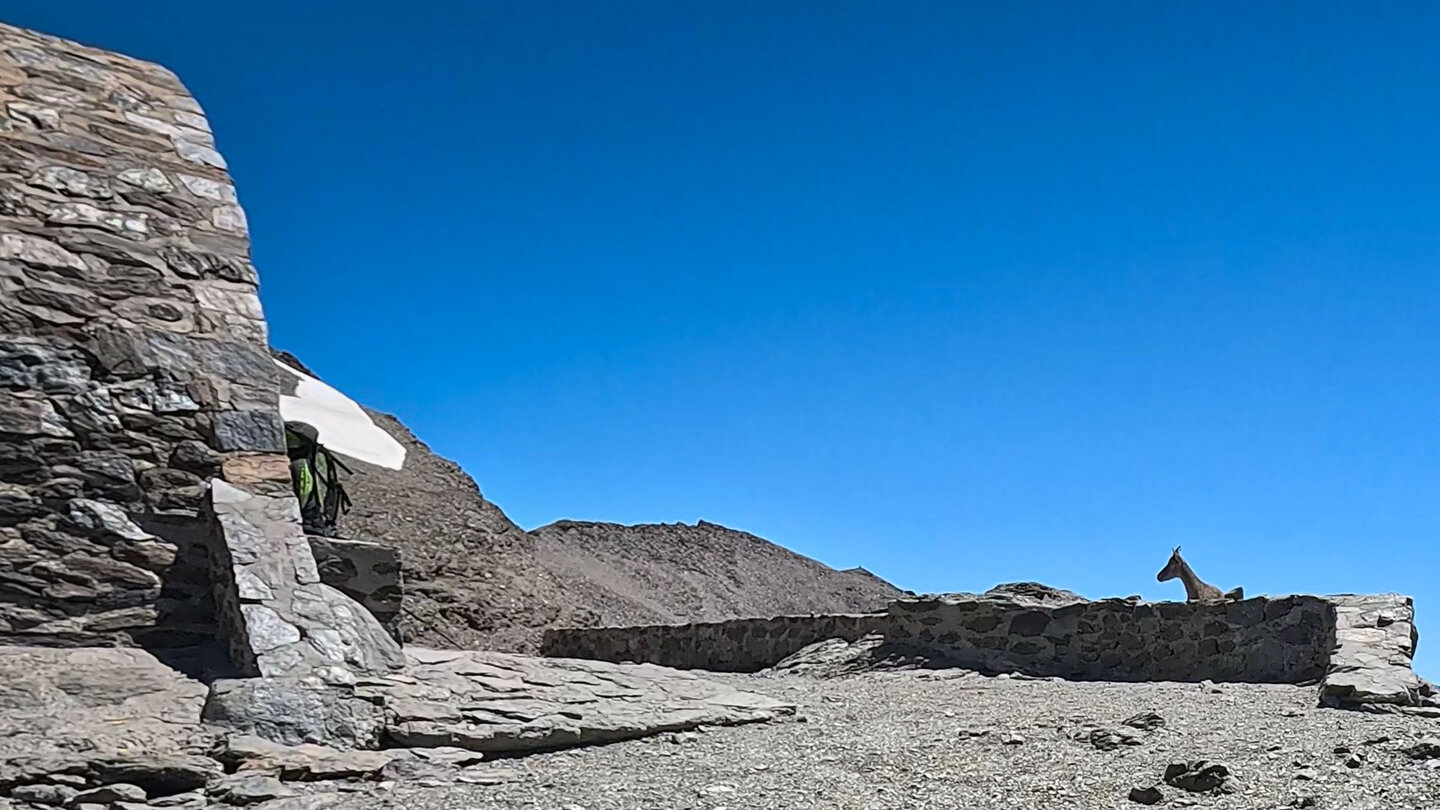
(737, 645)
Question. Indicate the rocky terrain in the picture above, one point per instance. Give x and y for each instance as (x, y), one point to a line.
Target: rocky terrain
(71, 732)
(475, 579)
(673, 572)
(953, 739)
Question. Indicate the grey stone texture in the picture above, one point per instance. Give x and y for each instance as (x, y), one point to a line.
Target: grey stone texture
(110, 703)
(1262, 640)
(493, 703)
(98, 699)
(133, 359)
(737, 645)
(294, 711)
(367, 572)
(1369, 668)
(1282, 640)
(135, 379)
(500, 703)
(278, 618)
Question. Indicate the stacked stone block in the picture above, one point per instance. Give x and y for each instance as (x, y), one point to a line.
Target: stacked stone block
(1357, 648)
(736, 645)
(145, 494)
(133, 360)
(1375, 640)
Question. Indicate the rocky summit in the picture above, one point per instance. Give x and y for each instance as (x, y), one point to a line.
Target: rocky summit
(474, 578)
(172, 637)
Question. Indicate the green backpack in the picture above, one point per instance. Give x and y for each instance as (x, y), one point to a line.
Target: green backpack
(315, 472)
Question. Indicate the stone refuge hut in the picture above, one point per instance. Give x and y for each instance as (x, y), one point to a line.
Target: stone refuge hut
(144, 489)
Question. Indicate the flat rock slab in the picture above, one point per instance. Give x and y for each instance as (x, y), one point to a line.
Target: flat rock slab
(95, 700)
(500, 703)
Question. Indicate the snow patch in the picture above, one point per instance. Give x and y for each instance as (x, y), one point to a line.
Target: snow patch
(343, 426)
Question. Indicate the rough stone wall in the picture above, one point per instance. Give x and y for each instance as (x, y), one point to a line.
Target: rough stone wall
(1260, 640)
(737, 645)
(367, 572)
(133, 359)
(1375, 640)
(1284, 640)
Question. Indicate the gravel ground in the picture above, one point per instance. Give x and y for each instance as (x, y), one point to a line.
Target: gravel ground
(910, 740)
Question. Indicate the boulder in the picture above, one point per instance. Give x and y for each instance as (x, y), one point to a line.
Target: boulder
(249, 788)
(1199, 776)
(1033, 593)
(293, 711)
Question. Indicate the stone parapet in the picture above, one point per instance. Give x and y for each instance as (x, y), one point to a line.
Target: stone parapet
(1281, 640)
(1358, 648)
(738, 645)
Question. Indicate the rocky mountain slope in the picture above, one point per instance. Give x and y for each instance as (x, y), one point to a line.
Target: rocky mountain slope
(674, 572)
(473, 578)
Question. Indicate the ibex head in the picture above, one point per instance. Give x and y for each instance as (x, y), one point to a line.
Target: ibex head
(1172, 568)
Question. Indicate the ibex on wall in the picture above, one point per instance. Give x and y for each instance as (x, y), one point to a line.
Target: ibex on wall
(1196, 589)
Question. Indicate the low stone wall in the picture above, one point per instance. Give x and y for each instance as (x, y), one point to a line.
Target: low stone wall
(367, 572)
(1358, 648)
(738, 645)
(1283, 640)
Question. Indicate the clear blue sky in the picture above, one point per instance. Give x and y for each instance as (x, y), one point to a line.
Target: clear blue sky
(964, 293)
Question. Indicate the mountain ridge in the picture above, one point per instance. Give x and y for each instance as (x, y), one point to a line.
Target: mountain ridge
(473, 578)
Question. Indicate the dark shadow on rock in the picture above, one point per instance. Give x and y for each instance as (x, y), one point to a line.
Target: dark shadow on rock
(205, 663)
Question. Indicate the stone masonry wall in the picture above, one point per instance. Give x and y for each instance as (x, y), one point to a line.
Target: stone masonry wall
(1279, 640)
(133, 359)
(145, 495)
(1282, 640)
(738, 645)
(1358, 648)
(1375, 640)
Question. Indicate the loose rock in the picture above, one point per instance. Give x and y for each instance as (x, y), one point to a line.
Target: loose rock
(250, 788)
(1145, 721)
(1109, 739)
(1425, 749)
(54, 795)
(105, 794)
(1146, 795)
(1198, 776)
